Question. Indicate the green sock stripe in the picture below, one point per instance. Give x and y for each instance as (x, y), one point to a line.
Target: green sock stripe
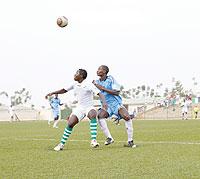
(93, 132)
(63, 142)
(93, 128)
(66, 134)
(64, 139)
(93, 137)
(93, 121)
(69, 128)
(93, 125)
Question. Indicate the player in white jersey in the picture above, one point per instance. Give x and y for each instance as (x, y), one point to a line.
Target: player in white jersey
(13, 115)
(184, 110)
(84, 95)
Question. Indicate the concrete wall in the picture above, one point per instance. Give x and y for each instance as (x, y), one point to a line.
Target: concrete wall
(24, 113)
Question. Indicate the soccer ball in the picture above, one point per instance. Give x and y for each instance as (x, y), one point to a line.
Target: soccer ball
(62, 21)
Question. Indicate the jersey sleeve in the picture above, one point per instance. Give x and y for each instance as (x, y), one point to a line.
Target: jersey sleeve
(93, 88)
(70, 88)
(115, 84)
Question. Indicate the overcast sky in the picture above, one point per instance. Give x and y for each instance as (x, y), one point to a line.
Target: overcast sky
(142, 41)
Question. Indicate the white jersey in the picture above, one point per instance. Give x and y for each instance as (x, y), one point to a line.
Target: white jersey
(184, 106)
(84, 94)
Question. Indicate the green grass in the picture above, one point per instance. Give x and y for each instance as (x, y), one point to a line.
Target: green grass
(167, 149)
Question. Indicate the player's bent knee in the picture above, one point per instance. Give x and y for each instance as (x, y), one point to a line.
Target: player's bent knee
(127, 117)
(92, 114)
(73, 120)
(71, 125)
(102, 115)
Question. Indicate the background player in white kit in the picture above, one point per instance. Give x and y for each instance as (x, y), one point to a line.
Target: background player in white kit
(184, 110)
(13, 115)
(84, 96)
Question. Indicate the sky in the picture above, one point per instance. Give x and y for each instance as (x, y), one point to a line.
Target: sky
(142, 42)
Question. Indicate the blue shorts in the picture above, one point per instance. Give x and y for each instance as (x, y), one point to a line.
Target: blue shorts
(55, 113)
(114, 110)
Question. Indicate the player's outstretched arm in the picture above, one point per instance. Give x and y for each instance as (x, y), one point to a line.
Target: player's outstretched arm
(61, 91)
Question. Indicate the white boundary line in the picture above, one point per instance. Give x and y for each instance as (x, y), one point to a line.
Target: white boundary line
(138, 142)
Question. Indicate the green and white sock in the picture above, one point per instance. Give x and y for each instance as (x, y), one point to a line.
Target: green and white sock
(93, 129)
(67, 132)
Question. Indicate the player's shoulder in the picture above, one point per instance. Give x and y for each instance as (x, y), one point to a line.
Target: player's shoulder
(74, 85)
(87, 84)
(84, 84)
(111, 78)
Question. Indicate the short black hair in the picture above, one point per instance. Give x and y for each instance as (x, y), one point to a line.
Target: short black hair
(105, 68)
(83, 73)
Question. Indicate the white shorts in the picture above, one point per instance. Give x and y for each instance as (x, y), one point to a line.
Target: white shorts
(184, 110)
(80, 112)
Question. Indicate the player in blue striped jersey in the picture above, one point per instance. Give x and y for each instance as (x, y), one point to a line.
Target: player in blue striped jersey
(55, 106)
(111, 89)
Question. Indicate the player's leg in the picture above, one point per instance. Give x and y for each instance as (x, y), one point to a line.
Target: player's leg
(56, 118)
(186, 115)
(16, 117)
(129, 126)
(116, 119)
(73, 120)
(92, 114)
(102, 115)
(183, 113)
(11, 118)
(196, 114)
(50, 118)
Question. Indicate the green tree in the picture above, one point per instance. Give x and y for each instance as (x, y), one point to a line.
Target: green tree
(20, 97)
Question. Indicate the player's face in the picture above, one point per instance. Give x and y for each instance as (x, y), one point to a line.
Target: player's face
(77, 76)
(101, 71)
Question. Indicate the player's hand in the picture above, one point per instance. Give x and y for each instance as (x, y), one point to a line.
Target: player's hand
(98, 86)
(46, 97)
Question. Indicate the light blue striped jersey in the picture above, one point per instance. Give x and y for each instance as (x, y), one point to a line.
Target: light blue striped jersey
(111, 84)
(55, 103)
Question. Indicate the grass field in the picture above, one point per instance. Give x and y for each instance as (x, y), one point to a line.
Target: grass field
(167, 149)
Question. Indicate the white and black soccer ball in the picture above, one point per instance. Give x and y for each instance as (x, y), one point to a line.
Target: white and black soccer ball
(62, 21)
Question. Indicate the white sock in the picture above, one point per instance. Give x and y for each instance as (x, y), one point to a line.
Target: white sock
(104, 127)
(129, 129)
